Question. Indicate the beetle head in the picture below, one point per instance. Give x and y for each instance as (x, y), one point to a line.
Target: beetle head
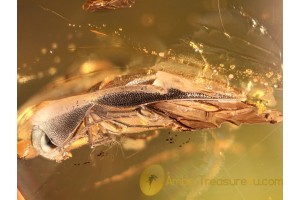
(45, 147)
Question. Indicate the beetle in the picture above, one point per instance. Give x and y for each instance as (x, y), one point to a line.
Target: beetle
(95, 5)
(157, 98)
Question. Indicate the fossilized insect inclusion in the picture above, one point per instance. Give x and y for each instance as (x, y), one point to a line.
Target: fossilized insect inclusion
(167, 96)
(94, 5)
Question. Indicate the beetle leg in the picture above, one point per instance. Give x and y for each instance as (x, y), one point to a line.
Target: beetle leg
(125, 125)
(178, 125)
(78, 136)
(105, 139)
(93, 131)
(143, 136)
(87, 124)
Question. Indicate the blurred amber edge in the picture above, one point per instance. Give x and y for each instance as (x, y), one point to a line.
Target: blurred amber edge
(19, 195)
